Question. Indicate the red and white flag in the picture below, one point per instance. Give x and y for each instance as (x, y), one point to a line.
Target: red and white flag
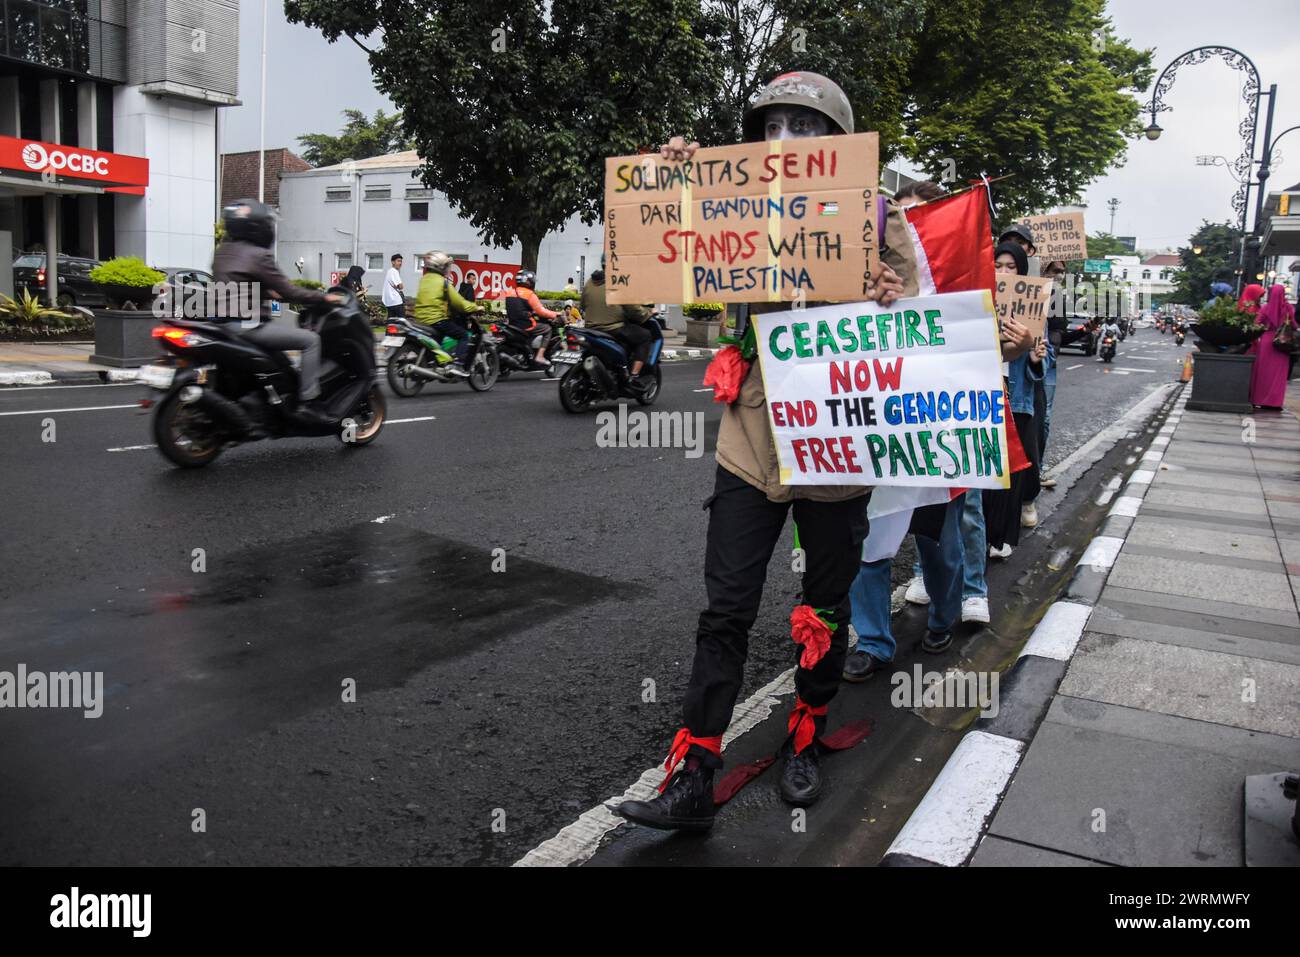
(953, 240)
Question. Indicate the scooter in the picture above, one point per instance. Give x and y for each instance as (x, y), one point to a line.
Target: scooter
(222, 389)
(596, 368)
(415, 358)
(1107, 347)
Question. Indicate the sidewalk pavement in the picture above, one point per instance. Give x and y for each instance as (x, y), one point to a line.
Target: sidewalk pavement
(1179, 710)
(68, 363)
(49, 363)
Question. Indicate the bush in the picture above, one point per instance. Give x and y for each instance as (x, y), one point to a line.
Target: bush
(308, 283)
(561, 295)
(29, 312)
(126, 271)
(703, 310)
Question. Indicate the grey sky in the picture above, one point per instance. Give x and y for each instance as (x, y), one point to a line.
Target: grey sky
(1163, 194)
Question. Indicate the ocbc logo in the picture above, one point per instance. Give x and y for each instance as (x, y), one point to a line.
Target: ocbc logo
(37, 157)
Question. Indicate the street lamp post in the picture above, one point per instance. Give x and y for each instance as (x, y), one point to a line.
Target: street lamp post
(1251, 94)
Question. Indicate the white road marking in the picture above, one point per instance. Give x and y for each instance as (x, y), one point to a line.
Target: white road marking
(61, 388)
(1059, 631)
(381, 519)
(1127, 369)
(88, 408)
(419, 418)
(132, 448)
(947, 824)
(710, 389)
(1079, 366)
(577, 842)
(1118, 430)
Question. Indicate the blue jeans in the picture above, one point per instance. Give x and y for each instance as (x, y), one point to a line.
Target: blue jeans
(1049, 391)
(941, 568)
(975, 547)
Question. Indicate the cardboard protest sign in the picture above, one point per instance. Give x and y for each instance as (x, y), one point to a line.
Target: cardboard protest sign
(1058, 236)
(759, 222)
(906, 394)
(1025, 299)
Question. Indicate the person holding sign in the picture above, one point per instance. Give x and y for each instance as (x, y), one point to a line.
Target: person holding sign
(748, 510)
(1002, 507)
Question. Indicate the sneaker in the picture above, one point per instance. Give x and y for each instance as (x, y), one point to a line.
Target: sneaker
(916, 593)
(1029, 515)
(1000, 553)
(801, 779)
(975, 608)
(1048, 483)
(685, 805)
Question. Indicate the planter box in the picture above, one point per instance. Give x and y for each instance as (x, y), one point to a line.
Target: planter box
(1221, 382)
(702, 332)
(124, 338)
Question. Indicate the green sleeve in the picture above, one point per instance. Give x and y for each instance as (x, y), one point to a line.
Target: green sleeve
(458, 302)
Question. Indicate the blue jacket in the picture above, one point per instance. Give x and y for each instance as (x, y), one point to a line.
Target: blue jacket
(1021, 376)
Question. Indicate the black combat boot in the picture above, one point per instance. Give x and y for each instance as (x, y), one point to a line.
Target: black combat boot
(686, 804)
(801, 778)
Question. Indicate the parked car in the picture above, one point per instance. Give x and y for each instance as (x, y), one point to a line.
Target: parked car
(75, 287)
(187, 279)
(1081, 333)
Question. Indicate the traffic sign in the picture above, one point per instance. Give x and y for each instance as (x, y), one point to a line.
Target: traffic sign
(1096, 265)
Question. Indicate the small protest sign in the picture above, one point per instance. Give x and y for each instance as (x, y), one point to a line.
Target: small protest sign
(1059, 236)
(906, 394)
(1025, 299)
(759, 222)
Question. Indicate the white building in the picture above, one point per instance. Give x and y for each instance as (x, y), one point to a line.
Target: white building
(108, 118)
(366, 211)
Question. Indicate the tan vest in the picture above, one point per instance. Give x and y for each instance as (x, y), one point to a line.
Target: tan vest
(745, 446)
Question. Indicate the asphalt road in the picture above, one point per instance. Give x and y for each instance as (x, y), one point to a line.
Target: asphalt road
(492, 707)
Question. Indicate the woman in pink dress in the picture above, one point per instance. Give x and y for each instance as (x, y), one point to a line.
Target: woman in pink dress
(1269, 374)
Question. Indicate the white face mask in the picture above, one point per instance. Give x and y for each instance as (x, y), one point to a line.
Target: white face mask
(792, 122)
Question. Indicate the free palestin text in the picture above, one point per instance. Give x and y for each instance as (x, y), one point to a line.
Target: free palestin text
(966, 442)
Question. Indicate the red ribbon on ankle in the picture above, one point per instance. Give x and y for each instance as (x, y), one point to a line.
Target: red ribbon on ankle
(801, 723)
(682, 744)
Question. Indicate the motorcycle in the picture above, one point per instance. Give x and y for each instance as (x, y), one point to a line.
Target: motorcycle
(518, 346)
(221, 389)
(416, 357)
(1107, 347)
(596, 368)
(1180, 334)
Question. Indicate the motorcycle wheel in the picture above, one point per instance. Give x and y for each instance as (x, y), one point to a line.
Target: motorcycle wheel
(652, 391)
(404, 385)
(185, 436)
(486, 369)
(575, 391)
(369, 416)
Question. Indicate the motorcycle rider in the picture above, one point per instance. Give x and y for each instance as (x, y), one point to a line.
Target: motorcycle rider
(747, 512)
(623, 322)
(442, 309)
(1109, 327)
(245, 256)
(523, 309)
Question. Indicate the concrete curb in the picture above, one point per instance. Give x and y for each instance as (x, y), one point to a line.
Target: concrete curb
(947, 826)
(691, 353)
(30, 377)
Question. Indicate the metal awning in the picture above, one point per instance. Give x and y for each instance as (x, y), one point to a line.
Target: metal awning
(1281, 236)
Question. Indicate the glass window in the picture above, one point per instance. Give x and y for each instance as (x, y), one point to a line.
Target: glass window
(419, 212)
(418, 192)
(1146, 274)
(378, 192)
(374, 260)
(24, 27)
(338, 194)
(342, 261)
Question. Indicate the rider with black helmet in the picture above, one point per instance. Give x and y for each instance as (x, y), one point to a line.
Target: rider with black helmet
(524, 309)
(245, 256)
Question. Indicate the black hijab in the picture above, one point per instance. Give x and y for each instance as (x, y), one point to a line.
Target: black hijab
(353, 279)
(1017, 253)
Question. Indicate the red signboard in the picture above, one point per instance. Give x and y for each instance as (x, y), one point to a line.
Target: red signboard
(54, 162)
(490, 280)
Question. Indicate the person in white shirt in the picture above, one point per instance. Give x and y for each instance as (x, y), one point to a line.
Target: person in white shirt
(394, 298)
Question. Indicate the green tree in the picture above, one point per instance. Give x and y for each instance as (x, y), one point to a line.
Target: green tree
(514, 107)
(1038, 90)
(1220, 246)
(360, 138)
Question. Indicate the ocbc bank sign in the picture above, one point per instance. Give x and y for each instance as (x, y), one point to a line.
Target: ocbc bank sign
(117, 172)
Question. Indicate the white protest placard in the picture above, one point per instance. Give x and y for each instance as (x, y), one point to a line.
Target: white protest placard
(905, 394)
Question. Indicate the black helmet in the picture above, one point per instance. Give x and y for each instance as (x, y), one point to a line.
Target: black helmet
(526, 278)
(250, 221)
(1017, 229)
